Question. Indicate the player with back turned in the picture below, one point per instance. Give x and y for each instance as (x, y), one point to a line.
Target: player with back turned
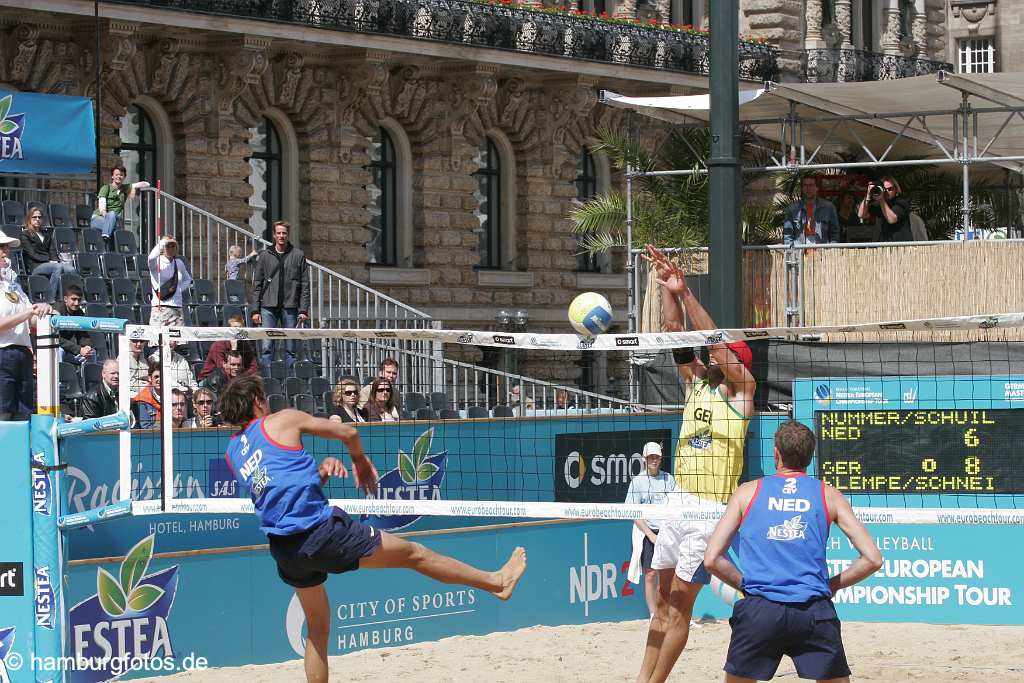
(783, 522)
(309, 538)
(707, 466)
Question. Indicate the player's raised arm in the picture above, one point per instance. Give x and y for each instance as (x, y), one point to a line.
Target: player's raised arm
(870, 560)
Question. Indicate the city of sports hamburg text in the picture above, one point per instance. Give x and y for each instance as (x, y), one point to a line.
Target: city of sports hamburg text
(390, 621)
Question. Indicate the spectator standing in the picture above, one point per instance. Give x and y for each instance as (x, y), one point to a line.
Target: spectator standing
(563, 401)
(110, 203)
(344, 408)
(883, 203)
(39, 252)
(215, 358)
(179, 371)
(17, 315)
(203, 402)
(388, 371)
(848, 217)
(381, 408)
(233, 266)
(103, 399)
(219, 378)
(519, 403)
(75, 345)
(169, 278)
(138, 366)
(146, 404)
(812, 220)
(651, 487)
(281, 287)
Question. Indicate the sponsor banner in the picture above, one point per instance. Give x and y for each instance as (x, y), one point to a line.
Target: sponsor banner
(607, 342)
(46, 133)
(596, 467)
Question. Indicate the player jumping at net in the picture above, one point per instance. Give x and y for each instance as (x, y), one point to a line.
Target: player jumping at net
(708, 463)
(783, 523)
(309, 538)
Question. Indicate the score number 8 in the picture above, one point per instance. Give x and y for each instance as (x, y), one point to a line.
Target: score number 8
(972, 464)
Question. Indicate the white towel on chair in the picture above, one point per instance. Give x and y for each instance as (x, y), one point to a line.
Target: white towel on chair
(636, 570)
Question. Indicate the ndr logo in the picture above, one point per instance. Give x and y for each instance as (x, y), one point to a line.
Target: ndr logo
(616, 468)
(822, 394)
(591, 582)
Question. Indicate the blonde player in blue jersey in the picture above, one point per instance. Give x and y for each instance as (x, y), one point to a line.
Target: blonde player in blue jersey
(783, 523)
(309, 538)
(707, 465)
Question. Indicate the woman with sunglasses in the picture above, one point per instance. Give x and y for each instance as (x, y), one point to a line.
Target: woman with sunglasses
(39, 252)
(381, 406)
(346, 396)
(203, 403)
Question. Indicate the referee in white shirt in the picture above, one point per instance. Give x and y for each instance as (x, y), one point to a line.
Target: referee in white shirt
(169, 277)
(17, 314)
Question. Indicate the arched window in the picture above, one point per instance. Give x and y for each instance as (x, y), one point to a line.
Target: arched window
(382, 249)
(489, 213)
(138, 145)
(587, 186)
(265, 177)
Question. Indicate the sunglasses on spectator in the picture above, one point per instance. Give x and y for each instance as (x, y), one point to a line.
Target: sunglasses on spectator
(351, 392)
(383, 391)
(35, 218)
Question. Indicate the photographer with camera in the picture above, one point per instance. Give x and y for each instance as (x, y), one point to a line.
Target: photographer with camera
(169, 279)
(882, 202)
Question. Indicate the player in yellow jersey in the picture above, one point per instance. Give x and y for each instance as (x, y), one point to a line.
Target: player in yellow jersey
(707, 466)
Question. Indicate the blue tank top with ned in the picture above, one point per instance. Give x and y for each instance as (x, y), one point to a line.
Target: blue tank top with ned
(782, 540)
(283, 481)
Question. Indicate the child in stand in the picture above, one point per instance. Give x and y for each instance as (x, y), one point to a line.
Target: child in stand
(235, 261)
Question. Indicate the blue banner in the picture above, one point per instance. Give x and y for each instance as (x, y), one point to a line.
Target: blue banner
(46, 133)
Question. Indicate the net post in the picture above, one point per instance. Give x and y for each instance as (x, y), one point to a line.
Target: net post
(166, 433)
(124, 404)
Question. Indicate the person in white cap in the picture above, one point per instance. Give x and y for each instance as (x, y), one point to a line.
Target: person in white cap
(169, 277)
(650, 487)
(17, 316)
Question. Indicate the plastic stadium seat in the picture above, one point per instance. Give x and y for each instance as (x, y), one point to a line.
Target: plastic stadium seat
(92, 374)
(277, 402)
(92, 241)
(83, 215)
(144, 312)
(101, 345)
(205, 315)
(114, 265)
(126, 311)
(425, 414)
(125, 243)
(60, 217)
(439, 400)
(96, 310)
(327, 399)
(503, 411)
(413, 401)
(294, 386)
(272, 386)
(279, 369)
(319, 385)
(203, 292)
(39, 289)
(68, 279)
(89, 265)
(304, 402)
(477, 412)
(96, 290)
(12, 212)
(12, 231)
(306, 370)
(234, 292)
(124, 291)
(449, 414)
(142, 266)
(65, 240)
(69, 382)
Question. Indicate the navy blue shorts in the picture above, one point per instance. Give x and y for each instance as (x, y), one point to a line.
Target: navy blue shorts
(334, 546)
(763, 631)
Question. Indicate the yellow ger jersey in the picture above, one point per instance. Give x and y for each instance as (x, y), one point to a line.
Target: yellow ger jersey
(709, 454)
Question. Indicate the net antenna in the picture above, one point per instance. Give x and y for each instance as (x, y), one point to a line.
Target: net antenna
(561, 460)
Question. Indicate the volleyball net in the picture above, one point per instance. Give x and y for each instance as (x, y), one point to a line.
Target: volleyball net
(916, 421)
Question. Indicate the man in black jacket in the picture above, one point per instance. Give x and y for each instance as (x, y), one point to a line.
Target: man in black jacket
(219, 378)
(103, 399)
(282, 289)
(76, 346)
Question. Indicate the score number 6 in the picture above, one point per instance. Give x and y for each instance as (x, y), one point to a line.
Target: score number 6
(972, 464)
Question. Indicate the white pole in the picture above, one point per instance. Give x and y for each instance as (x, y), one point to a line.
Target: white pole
(124, 404)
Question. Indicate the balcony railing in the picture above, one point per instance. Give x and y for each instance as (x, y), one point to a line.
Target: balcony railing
(828, 65)
(507, 28)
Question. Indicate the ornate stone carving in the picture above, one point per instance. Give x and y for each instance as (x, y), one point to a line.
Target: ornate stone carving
(972, 11)
(26, 36)
(813, 14)
(844, 22)
(242, 66)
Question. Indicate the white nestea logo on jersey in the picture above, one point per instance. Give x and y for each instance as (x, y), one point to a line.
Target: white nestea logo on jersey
(790, 530)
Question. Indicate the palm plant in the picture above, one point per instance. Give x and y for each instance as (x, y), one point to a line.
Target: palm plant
(670, 211)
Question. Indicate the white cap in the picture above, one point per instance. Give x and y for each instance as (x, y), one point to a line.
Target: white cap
(652, 448)
(8, 241)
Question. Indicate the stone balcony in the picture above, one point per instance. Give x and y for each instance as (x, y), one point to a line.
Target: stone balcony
(499, 26)
(828, 65)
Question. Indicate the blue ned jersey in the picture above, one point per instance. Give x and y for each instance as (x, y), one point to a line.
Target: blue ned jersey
(283, 481)
(782, 540)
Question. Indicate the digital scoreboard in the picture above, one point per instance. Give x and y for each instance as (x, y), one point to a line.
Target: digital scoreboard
(937, 451)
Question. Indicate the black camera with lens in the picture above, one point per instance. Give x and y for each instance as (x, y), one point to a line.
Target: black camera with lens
(876, 190)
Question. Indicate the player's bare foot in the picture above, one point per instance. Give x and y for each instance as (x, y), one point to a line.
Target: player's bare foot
(511, 573)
